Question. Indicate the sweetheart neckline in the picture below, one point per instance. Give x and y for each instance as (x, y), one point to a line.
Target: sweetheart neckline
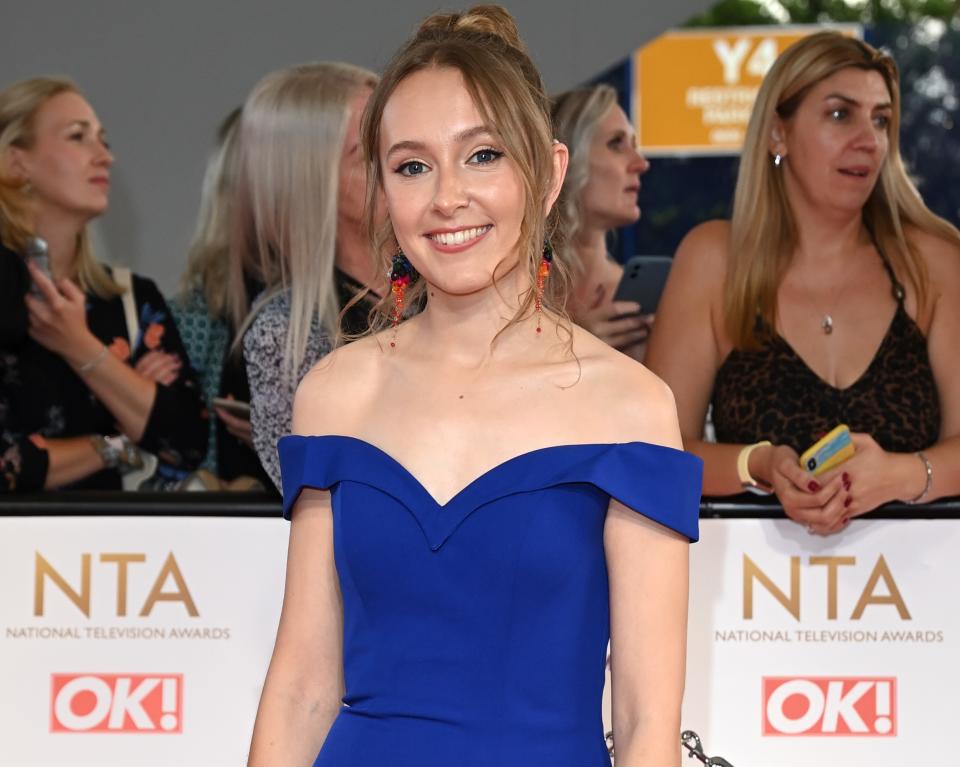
(483, 475)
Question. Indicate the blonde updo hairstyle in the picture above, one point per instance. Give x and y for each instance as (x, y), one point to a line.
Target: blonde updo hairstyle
(763, 232)
(576, 114)
(19, 104)
(483, 44)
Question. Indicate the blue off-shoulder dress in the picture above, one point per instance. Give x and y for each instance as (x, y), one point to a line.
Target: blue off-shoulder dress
(475, 632)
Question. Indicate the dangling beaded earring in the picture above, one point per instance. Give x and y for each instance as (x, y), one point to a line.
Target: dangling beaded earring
(401, 275)
(543, 271)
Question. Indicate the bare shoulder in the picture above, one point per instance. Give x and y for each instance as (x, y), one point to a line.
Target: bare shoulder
(706, 248)
(334, 395)
(942, 259)
(625, 398)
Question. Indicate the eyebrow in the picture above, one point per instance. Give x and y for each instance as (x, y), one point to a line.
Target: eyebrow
(854, 102)
(464, 135)
(86, 124)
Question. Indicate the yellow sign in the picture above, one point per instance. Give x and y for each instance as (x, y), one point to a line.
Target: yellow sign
(694, 89)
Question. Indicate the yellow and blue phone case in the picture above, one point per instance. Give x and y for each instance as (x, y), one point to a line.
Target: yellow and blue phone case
(829, 451)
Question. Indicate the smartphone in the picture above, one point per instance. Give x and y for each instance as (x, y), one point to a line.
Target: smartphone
(38, 254)
(233, 406)
(832, 450)
(643, 280)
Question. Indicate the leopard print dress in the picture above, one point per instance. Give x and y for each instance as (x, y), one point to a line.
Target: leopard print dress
(770, 393)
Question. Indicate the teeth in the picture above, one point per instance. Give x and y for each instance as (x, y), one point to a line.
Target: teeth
(459, 237)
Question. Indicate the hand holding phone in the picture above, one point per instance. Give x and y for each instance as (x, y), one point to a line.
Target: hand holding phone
(644, 278)
(829, 451)
(38, 254)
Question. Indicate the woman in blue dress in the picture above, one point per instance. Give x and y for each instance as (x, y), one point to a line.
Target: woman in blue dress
(500, 493)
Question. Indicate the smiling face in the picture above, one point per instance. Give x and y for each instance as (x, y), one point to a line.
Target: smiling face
(837, 141)
(609, 198)
(454, 197)
(68, 164)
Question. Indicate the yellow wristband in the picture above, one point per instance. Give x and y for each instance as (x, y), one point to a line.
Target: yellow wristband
(747, 482)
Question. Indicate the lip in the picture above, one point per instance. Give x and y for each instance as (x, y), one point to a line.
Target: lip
(100, 180)
(635, 189)
(856, 171)
(459, 248)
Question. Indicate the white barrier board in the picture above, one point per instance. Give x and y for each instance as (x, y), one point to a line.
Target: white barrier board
(135, 641)
(145, 640)
(829, 651)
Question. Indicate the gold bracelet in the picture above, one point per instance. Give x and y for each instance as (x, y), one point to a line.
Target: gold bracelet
(86, 367)
(926, 488)
(747, 482)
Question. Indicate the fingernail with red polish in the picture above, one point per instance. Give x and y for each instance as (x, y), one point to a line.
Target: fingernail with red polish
(846, 501)
(812, 486)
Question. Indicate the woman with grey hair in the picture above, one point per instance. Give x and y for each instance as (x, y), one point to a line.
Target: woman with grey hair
(599, 194)
(298, 209)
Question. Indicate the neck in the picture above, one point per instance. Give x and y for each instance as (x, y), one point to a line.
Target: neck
(826, 237)
(61, 235)
(590, 243)
(353, 258)
(460, 329)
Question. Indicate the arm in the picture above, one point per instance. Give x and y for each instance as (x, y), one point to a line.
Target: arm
(648, 628)
(58, 322)
(648, 621)
(304, 684)
(686, 349)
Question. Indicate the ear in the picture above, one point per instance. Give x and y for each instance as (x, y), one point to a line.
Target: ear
(13, 164)
(777, 143)
(561, 158)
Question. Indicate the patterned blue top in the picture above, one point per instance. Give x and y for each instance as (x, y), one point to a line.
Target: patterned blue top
(475, 632)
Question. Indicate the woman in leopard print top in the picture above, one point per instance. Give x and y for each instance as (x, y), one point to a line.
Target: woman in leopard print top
(832, 296)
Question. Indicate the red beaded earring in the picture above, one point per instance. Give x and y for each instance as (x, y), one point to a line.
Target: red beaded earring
(401, 275)
(543, 271)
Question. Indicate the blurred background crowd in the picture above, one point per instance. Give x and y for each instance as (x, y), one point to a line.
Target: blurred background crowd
(108, 381)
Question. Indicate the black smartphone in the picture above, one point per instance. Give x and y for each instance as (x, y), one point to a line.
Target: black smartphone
(643, 280)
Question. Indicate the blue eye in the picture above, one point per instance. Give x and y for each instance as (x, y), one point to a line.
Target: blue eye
(412, 168)
(485, 156)
(838, 114)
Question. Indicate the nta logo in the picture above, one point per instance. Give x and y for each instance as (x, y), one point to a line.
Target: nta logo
(822, 706)
(133, 703)
(871, 594)
(169, 571)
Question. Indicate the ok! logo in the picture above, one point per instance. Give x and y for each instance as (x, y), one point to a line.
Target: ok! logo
(822, 706)
(131, 703)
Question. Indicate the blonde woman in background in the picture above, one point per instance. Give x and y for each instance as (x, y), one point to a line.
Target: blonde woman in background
(599, 195)
(79, 389)
(832, 296)
(204, 313)
(298, 208)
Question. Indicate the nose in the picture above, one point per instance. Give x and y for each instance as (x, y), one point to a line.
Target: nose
(638, 163)
(451, 193)
(103, 155)
(869, 136)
